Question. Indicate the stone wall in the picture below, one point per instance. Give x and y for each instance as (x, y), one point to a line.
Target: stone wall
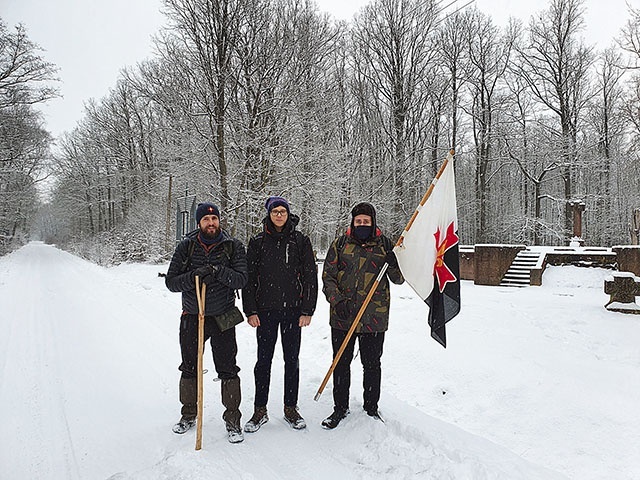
(595, 258)
(491, 262)
(467, 259)
(487, 264)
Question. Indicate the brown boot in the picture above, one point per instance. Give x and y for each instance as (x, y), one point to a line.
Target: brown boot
(294, 419)
(231, 398)
(259, 418)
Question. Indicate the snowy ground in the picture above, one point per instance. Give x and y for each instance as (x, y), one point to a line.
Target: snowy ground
(537, 383)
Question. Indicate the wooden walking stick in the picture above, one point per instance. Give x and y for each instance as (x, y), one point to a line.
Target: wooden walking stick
(379, 278)
(351, 330)
(201, 294)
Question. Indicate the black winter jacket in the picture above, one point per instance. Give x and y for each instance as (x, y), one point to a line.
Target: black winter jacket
(282, 271)
(230, 276)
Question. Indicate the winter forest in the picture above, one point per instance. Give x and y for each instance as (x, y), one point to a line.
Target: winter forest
(247, 98)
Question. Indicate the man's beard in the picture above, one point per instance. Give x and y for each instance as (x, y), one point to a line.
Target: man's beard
(211, 232)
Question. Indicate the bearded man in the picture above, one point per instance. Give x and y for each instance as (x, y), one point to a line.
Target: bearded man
(210, 253)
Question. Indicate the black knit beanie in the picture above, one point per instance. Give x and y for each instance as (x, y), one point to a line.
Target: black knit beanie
(206, 209)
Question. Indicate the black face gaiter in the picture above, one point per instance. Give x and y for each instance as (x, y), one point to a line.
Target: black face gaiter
(362, 232)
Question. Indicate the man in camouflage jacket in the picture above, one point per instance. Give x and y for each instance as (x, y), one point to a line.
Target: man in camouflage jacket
(351, 266)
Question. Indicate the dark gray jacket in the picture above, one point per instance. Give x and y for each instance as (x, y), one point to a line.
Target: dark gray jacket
(231, 276)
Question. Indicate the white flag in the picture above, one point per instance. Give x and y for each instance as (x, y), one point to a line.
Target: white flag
(428, 254)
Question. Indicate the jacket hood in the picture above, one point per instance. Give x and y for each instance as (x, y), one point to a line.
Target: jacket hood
(290, 226)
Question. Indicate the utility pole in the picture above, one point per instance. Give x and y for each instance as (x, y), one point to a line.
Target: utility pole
(168, 224)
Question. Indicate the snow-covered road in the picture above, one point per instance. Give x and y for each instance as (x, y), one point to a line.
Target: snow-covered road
(534, 381)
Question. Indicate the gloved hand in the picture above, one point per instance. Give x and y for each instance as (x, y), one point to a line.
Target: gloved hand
(206, 273)
(391, 259)
(344, 309)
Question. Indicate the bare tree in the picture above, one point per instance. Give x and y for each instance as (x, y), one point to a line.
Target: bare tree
(248, 98)
(630, 37)
(453, 41)
(282, 102)
(605, 122)
(489, 56)
(555, 65)
(208, 31)
(26, 79)
(525, 140)
(392, 53)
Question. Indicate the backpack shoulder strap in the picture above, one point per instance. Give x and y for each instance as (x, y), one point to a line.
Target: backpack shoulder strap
(386, 243)
(299, 239)
(187, 261)
(229, 248)
(342, 241)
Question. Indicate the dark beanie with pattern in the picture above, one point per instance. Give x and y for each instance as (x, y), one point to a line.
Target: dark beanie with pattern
(206, 209)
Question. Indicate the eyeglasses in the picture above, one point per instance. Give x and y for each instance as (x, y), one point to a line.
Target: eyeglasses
(278, 213)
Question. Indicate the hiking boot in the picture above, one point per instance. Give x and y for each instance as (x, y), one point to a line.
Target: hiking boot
(335, 418)
(375, 414)
(235, 434)
(258, 419)
(293, 418)
(183, 425)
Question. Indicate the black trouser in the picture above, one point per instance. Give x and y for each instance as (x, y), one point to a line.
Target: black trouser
(267, 335)
(370, 345)
(223, 347)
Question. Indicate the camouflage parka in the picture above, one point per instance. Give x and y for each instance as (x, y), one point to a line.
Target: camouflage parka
(350, 268)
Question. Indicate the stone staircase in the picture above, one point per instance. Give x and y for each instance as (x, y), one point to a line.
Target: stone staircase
(519, 273)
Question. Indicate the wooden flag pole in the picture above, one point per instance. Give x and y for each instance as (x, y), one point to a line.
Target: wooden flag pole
(426, 195)
(201, 294)
(383, 270)
(351, 330)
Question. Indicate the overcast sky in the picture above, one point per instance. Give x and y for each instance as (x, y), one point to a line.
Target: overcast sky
(91, 41)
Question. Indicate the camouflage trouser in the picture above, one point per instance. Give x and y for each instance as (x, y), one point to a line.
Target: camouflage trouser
(370, 345)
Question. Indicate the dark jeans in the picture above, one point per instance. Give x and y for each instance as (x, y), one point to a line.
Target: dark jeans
(267, 335)
(223, 347)
(370, 345)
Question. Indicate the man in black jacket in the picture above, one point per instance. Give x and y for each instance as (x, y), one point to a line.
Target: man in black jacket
(281, 293)
(220, 262)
